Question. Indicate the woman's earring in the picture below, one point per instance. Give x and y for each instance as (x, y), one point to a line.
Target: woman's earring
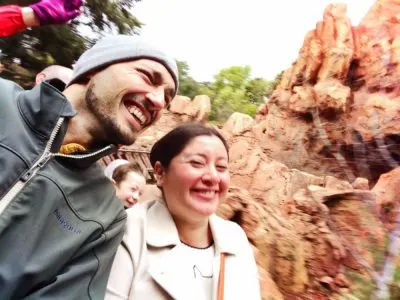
(158, 184)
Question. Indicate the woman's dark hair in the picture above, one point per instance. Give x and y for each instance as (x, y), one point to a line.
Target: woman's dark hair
(171, 144)
(120, 172)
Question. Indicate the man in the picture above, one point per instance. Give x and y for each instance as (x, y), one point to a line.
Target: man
(60, 221)
(61, 73)
(14, 18)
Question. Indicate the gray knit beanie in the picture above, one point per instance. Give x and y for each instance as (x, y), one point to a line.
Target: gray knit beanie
(118, 48)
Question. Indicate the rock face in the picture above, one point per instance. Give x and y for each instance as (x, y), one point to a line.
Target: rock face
(238, 123)
(387, 191)
(196, 110)
(338, 107)
(308, 231)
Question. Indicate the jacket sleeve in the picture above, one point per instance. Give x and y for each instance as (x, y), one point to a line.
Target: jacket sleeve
(121, 276)
(86, 276)
(11, 20)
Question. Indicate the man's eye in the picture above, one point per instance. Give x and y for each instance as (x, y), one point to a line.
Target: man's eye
(146, 76)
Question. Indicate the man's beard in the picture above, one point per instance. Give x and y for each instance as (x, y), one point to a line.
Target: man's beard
(110, 132)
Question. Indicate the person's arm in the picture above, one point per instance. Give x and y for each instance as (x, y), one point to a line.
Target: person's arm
(14, 18)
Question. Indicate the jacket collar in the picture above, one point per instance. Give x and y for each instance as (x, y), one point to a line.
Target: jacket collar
(42, 107)
(162, 231)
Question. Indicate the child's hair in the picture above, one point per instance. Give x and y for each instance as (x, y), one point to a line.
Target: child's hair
(120, 172)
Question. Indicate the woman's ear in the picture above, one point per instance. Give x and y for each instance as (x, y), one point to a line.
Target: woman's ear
(159, 173)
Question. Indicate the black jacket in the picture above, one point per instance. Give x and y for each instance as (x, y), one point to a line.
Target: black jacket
(60, 221)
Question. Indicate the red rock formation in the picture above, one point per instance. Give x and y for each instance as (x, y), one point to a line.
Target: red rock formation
(387, 191)
(338, 106)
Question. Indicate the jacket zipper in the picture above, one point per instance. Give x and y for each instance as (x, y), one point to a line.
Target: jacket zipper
(7, 198)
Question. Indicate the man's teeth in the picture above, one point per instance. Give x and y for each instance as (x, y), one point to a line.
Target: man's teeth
(133, 110)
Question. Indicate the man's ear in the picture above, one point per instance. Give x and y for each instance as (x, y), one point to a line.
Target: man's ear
(159, 174)
(39, 78)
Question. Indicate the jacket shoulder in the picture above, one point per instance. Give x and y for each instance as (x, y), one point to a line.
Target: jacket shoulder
(230, 235)
(137, 219)
(8, 84)
(231, 227)
(9, 90)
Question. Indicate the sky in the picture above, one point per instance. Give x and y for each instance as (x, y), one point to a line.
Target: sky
(215, 34)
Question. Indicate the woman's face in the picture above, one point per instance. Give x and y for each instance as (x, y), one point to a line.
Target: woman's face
(196, 180)
(131, 188)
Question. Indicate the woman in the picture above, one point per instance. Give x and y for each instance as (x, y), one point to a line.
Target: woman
(177, 248)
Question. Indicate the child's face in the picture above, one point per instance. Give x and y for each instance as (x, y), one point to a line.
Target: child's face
(131, 188)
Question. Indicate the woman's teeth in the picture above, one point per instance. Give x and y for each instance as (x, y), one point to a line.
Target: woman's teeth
(207, 193)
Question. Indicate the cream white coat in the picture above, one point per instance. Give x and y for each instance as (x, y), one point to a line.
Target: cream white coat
(147, 264)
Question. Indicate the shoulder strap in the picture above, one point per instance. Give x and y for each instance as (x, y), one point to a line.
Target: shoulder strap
(221, 278)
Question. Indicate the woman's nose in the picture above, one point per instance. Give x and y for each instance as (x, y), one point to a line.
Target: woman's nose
(211, 175)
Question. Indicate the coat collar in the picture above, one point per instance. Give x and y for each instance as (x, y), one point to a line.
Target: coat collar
(162, 231)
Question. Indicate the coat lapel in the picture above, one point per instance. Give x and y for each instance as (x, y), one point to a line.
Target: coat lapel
(165, 255)
(165, 265)
(168, 273)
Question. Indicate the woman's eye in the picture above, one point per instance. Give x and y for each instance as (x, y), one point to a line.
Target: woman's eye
(222, 168)
(196, 163)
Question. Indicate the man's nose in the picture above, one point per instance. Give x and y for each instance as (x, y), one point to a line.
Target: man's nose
(157, 98)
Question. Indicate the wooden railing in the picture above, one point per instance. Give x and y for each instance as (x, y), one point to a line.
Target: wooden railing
(142, 157)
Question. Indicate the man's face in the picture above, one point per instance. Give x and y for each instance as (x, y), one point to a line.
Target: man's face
(126, 98)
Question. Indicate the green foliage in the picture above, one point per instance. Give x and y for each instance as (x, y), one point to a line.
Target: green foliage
(234, 90)
(275, 82)
(25, 54)
(395, 287)
(362, 286)
(257, 90)
(187, 85)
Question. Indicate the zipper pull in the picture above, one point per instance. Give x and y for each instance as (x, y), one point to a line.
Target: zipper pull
(32, 171)
(28, 174)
